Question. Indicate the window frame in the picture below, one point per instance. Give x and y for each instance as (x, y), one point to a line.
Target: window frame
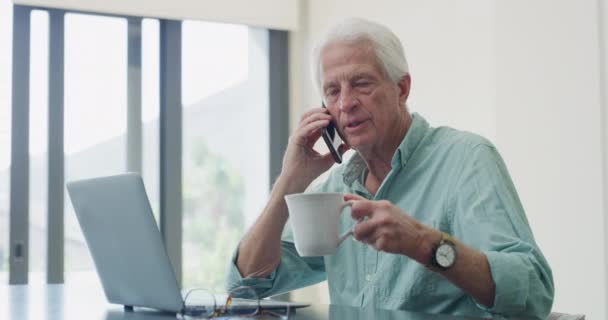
(170, 167)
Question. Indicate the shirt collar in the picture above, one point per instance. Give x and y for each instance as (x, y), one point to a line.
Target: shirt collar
(414, 135)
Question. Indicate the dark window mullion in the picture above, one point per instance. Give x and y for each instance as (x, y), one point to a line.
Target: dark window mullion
(279, 99)
(19, 179)
(171, 141)
(56, 165)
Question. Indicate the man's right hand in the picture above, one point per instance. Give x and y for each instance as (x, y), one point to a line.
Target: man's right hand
(301, 163)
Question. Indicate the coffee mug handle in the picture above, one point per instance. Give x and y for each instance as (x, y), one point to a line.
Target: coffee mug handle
(349, 233)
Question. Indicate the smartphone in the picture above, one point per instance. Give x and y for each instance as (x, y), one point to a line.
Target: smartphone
(332, 140)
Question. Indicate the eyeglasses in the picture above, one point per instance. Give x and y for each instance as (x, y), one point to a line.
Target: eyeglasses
(240, 302)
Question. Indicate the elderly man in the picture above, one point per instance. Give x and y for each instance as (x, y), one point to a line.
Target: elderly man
(444, 230)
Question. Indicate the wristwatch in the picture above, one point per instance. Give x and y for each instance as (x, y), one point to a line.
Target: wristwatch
(444, 253)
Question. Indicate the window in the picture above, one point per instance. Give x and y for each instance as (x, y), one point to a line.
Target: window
(225, 131)
(95, 113)
(6, 28)
(225, 144)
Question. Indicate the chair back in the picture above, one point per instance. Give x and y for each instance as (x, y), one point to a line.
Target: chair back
(565, 316)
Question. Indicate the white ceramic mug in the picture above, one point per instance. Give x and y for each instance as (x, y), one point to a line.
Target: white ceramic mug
(314, 219)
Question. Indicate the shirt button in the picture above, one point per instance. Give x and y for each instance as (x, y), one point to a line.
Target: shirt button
(369, 277)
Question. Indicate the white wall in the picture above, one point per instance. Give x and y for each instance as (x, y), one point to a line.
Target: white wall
(443, 40)
(275, 14)
(525, 74)
(548, 125)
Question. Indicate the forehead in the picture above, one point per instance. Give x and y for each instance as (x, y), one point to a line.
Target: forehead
(346, 59)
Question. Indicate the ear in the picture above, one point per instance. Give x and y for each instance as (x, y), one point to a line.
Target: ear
(404, 88)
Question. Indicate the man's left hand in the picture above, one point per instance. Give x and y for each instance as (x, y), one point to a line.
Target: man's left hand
(386, 228)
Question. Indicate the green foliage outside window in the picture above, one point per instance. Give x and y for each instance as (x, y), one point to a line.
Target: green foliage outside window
(213, 218)
(3, 260)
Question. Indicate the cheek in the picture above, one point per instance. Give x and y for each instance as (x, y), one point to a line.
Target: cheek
(383, 98)
(381, 111)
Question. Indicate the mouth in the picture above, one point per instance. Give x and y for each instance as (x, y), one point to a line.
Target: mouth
(355, 125)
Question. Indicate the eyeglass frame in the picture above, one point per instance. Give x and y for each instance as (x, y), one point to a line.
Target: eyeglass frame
(223, 310)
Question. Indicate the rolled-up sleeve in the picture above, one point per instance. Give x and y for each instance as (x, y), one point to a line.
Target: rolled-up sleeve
(487, 215)
(293, 272)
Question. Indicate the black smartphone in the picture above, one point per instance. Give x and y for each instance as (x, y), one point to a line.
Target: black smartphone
(332, 140)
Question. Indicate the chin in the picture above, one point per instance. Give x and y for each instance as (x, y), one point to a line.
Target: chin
(362, 140)
(358, 143)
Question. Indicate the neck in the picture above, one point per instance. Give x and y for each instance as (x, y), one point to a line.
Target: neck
(378, 159)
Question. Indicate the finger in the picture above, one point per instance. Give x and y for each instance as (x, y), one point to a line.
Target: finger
(361, 209)
(364, 231)
(380, 243)
(313, 126)
(310, 130)
(378, 240)
(314, 117)
(313, 136)
(368, 241)
(313, 111)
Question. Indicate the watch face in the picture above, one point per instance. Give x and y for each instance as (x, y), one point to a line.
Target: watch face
(445, 255)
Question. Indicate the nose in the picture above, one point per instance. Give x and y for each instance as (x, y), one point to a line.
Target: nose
(348, 100)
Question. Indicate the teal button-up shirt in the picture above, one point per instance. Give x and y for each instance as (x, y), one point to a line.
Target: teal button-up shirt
(453, 181)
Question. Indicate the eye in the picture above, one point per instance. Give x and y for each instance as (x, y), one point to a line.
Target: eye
(363, 86)
(331, 92)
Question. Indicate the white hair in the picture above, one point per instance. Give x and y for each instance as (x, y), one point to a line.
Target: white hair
(384, 44)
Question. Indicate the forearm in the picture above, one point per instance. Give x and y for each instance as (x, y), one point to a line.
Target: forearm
(310, 270)
(471, 272)
(508, 283)
(260, 249)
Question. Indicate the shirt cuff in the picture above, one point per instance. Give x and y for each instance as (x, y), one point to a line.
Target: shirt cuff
(511, 286)
(235, 279)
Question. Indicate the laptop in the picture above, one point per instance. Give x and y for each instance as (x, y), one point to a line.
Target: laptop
(119, 227)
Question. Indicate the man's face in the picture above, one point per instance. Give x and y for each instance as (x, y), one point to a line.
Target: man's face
(367, 106)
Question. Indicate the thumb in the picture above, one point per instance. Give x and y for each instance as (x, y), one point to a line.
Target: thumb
(350, 196)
